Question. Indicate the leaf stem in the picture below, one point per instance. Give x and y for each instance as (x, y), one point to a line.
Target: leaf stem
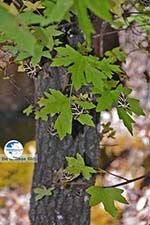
(71, 88)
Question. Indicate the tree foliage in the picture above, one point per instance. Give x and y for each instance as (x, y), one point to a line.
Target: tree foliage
(34, 33)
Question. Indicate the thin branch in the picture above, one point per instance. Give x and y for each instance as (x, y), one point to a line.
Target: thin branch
(85, 184)
(71, 89)
(117, 30)
(115, 175)
(126, 182)
(109, 33)
(16, 3)
(146, 12)
(66, 25)
(109, 145)
(18, 89)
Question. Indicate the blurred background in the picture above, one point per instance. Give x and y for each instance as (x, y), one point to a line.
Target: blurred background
(125, 155)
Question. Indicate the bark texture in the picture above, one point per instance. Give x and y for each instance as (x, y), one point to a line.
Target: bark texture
(68, 205)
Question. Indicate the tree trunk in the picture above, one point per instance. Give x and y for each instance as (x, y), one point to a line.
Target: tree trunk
(68, 205)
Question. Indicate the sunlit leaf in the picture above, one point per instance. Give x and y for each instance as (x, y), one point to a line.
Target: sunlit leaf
(107, 196)
(17, 31)
(32, 6)
(77, 166)
(30, 18)
(28, 110)
(104, 102)
(135, 107)
(85, 69)
(55, 102)
(126, 118)
(58, 11)
(116, 7)
(86, 119)
(10, 8)
(63, 124)
(99, 8)
(85, 104)
(42, 192)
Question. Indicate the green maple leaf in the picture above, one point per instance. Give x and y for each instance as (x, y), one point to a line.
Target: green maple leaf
(28, 110)
(45, 36)
(63, 124)
(126, 118)
(52, 103)
(32, 6)
(108, 68)
(95, 76)
(99, 8)
(30, 18)
(84, 69)
(110, 98)
(18, 31)
(41, 192)
(135, 107)
(107, 196)
(85, 104)
(116, 7)
(38, 53)
(86, 119)
(68, 56)
(84, 20)
(104, 102)
(116, 54)
(56, 12)
(77, 166)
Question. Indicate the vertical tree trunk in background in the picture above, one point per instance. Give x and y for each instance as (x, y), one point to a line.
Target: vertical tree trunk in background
(69, 205)
(105, 37)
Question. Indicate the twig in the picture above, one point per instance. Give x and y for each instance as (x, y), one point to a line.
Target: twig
(18, 89)
(126, 182)
(66, 25)
(71, 89)
(146, 12)
(108, 33)
(115, 175)
(85, 184)
(109, 145)
(115, 31)
(16, 3)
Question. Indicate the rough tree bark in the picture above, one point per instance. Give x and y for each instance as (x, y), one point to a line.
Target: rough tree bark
(65, 206)
(69, 205)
